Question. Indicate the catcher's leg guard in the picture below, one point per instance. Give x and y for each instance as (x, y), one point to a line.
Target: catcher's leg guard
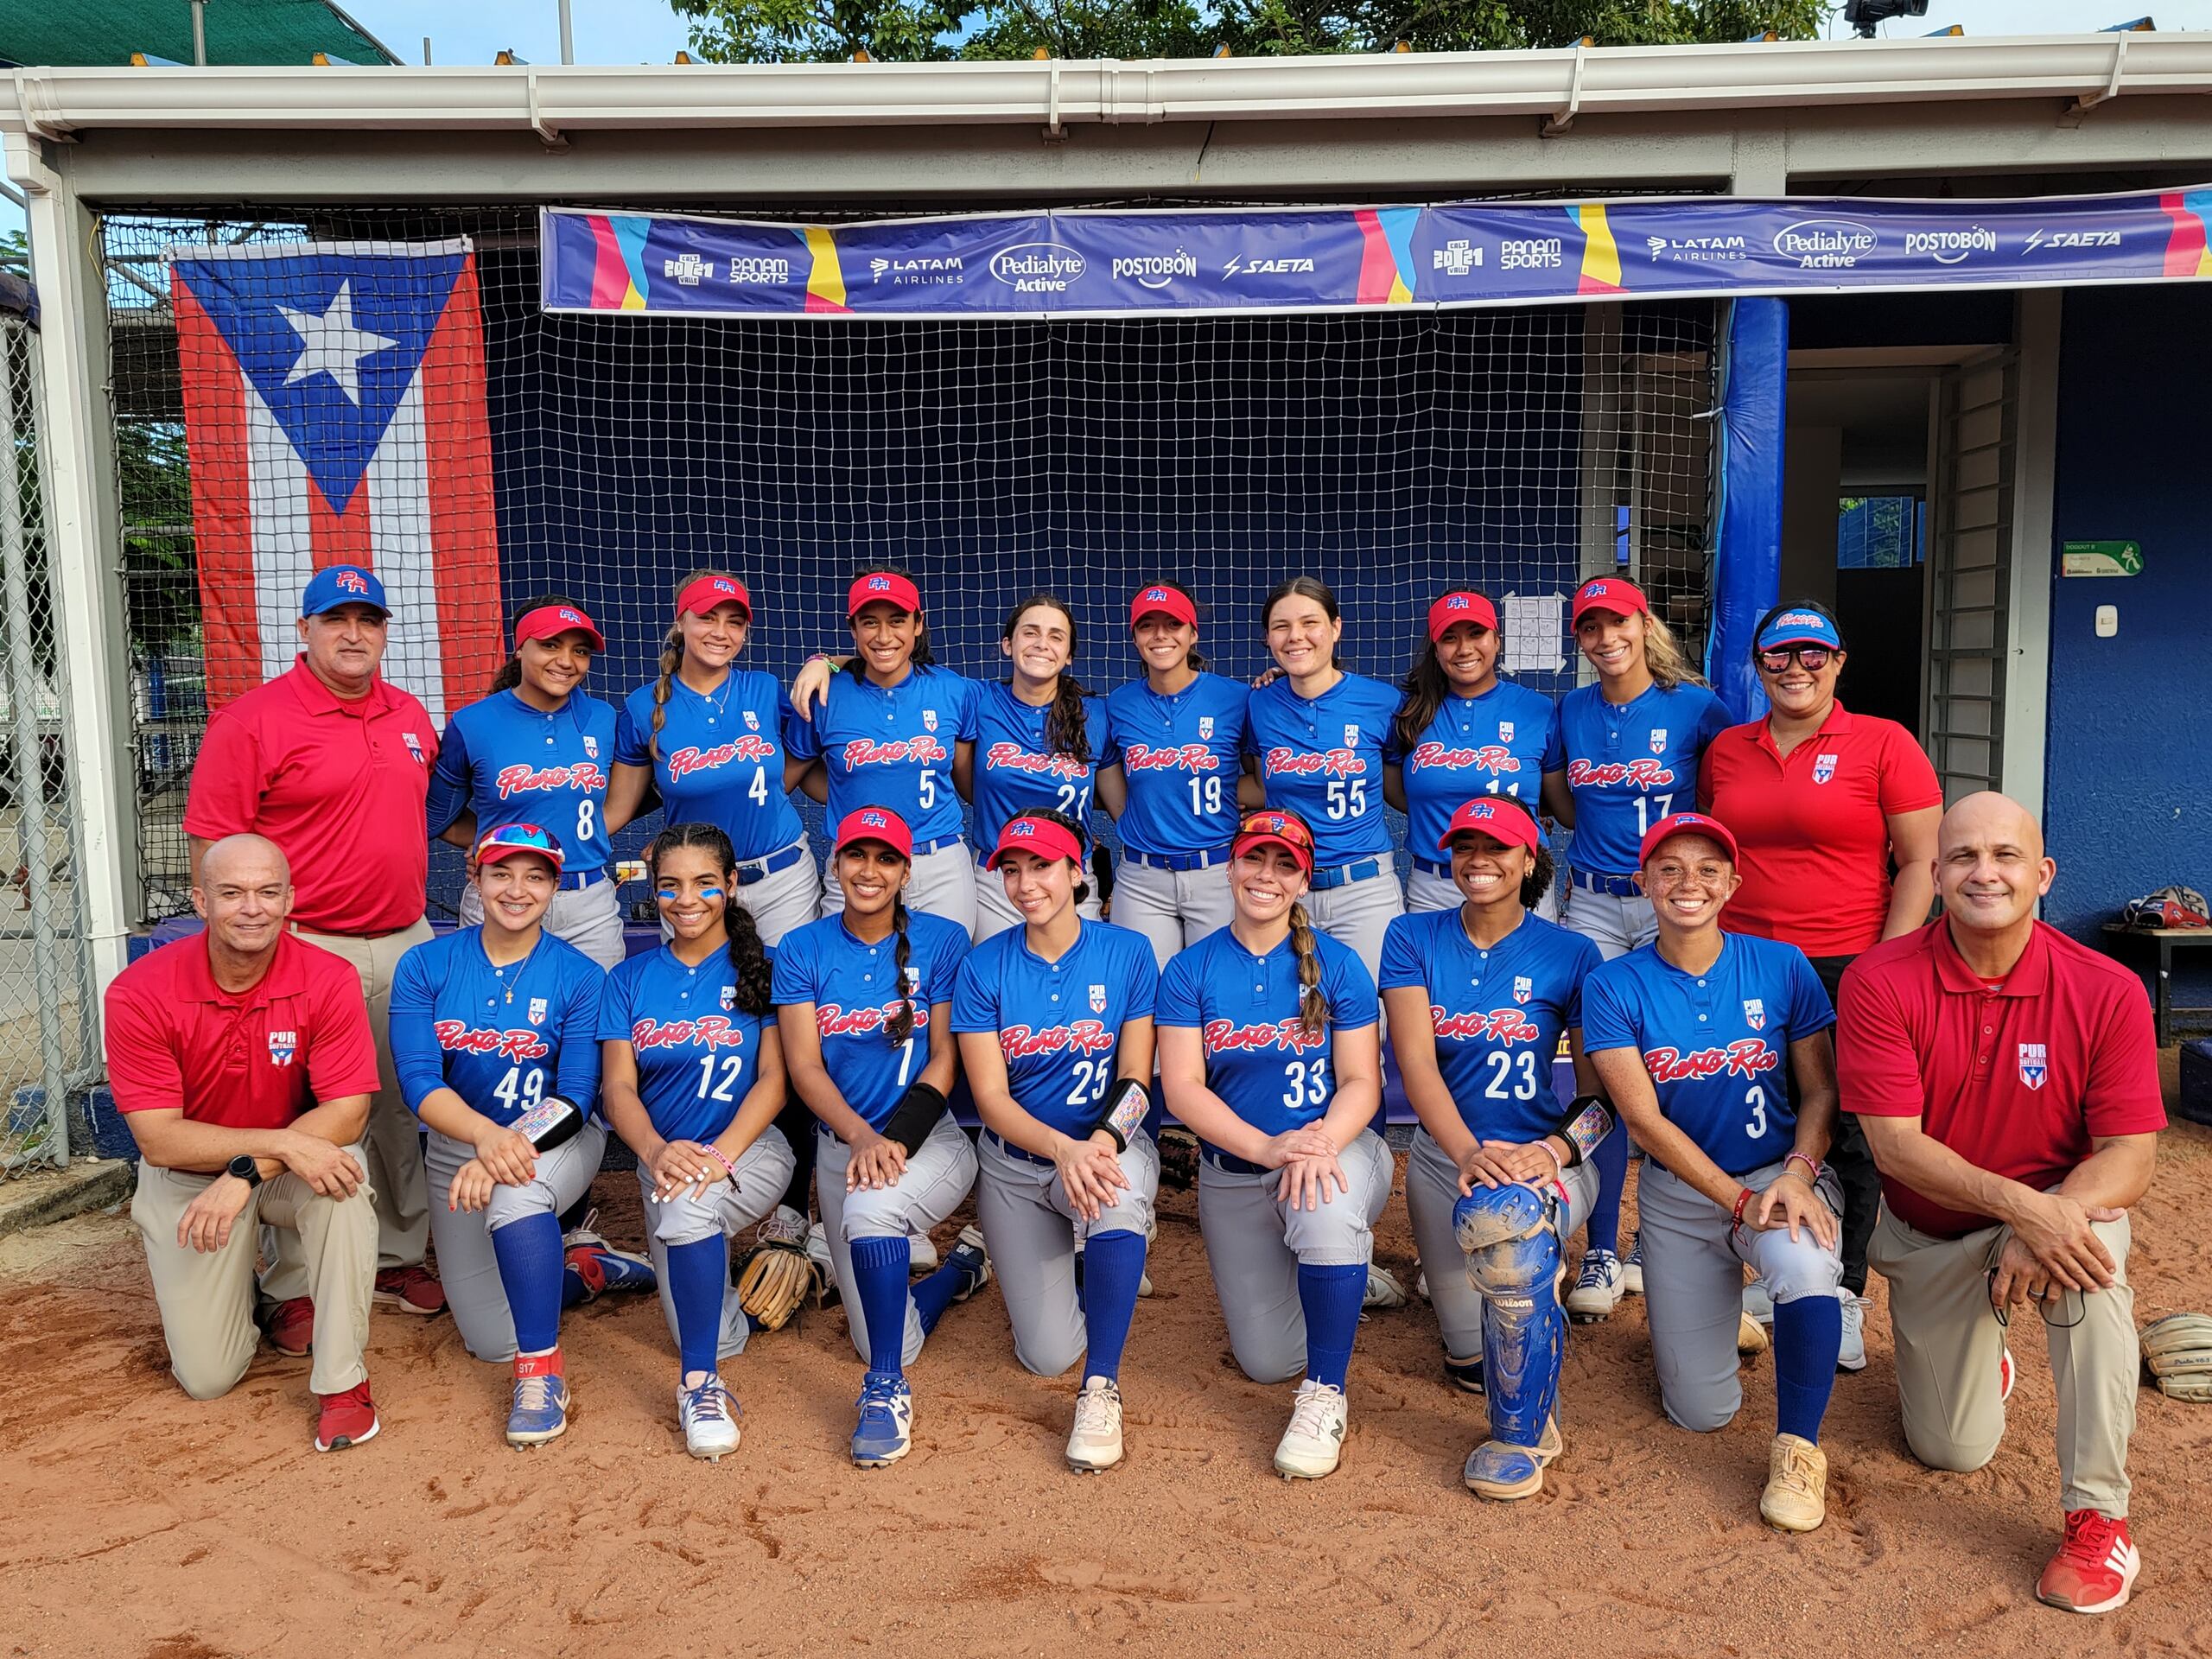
(1516, 1264)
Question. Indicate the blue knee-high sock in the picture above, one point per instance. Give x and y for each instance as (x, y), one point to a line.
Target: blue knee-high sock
(529, 1253)
(934, 1295)
(1807, 1334)
(879, 1268)
(698, 1274)
(1612, 1159)
(1114, 1269)
(1331, 1297)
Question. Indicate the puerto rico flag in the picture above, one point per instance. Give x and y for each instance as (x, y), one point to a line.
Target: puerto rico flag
(334, 403)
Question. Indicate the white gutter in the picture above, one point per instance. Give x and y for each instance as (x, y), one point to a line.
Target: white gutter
(1779, 76)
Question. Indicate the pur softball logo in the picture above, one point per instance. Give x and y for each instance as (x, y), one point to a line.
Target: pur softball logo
(283, 1045)
(2035, 1065)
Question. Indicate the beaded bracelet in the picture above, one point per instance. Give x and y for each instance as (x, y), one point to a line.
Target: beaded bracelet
(729, 1168)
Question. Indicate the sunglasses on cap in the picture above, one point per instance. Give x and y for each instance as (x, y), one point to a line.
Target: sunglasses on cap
(1293, 830)
(512, 838)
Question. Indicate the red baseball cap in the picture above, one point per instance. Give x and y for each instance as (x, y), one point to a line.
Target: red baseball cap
(1463, 605)
(1685, 824)
(1171, 600)
(882, 585)
(1483, 816)
(550, 621)
(1615, 594)
(877, 823)
(1041, 837)
(509, 839)
(702, 596)
(1269, 828)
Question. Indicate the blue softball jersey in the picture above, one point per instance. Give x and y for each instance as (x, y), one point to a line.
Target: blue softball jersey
(721, 759)
(856, 992)
(512, 764)
(1500, 743)
(1179, 753)
(1014, 772)
(1058, 1023)
(1262, 1063)
(1498, 1013)
(501, 1039)
(1631, 766)
(1716, 1044)
(1322, 759)
(698, 1053)
(892, 747)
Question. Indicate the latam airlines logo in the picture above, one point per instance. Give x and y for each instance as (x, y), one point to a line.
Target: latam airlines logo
(1082, 1037)
(919, 270)
(1826, 243)
(1037, 268)
(710, 1032)
(1747, 1057)
(1699, 250)
(1226, 1036)
(692, 758)
(1499, 1025)
(458, 1037)
(519, 780)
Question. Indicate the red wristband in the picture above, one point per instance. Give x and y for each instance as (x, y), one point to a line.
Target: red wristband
(1743, 1200)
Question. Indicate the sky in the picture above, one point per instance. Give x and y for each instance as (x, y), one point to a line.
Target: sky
(645, 31)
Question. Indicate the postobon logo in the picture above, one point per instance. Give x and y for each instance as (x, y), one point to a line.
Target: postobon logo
(1037, 268)
(760, 270)
(1825, 243)
(1950, 247)
(1155, 270)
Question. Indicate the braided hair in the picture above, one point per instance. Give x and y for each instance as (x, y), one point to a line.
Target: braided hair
(509, 674)
(748, 960)
(1063, 733)
(900, 1025)
(1313, 1001)
(1311, 587)
(921, 657)
(671, 659)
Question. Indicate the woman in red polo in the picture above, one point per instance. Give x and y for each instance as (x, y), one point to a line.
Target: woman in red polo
(1824, 803)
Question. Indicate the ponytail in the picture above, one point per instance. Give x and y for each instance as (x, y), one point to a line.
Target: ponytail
(1313, 1001)
(508, 676)
(749, 961)
(902, 1023)
(672, 657)
(1663, 656)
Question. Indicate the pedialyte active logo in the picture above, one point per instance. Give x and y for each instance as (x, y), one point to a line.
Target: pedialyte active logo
(1037, 268)
(1949, 247)
(1154, 271)
(1825, 243)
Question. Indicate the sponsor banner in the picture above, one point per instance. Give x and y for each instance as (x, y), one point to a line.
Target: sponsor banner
(1110, 264)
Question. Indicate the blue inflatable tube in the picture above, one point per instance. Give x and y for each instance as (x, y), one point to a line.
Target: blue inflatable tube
(1747, 543)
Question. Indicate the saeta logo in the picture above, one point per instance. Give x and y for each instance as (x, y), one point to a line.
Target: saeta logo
(1825, 243)
(2040, 239)
(1286, 266)
(1037, 268)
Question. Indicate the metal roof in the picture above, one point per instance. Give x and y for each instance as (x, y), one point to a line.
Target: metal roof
(58, 32)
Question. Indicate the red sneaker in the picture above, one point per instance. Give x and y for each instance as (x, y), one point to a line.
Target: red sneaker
(289, 1327)
(2095, 1569)
(347, 1418)
(409, 1290)
(2004, 1376)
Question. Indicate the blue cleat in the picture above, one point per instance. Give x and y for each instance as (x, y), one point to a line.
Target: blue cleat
(599, 1268)
(540, 1411)
(1504, 1472)
(974, 1263)
(885, 1432)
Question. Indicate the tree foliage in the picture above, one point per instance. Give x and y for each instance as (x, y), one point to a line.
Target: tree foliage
(911, 31)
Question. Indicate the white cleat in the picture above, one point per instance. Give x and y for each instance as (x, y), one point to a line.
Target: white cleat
(1095, 1443)
(1382, 1290)
(1314, 1444)
(710, 1420)
(921, 1253)
(1597, 1287)
(1852, 1356)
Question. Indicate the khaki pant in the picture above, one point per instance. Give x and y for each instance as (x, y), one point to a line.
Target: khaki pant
(207, 1300)
(394, 1142)
(1948, 1344)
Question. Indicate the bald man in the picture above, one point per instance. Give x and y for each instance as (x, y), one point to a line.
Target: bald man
(2006, 1080)
(242, 1060)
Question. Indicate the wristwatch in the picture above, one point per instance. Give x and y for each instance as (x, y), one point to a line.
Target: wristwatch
(245, 1169)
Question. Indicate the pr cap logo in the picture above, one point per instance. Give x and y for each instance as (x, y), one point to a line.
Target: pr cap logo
(875, 820)
(879, 584)
(352, 581)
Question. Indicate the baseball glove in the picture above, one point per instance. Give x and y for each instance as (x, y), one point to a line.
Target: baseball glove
(777, 1281)
(2178, 1352)
(1179, 1158)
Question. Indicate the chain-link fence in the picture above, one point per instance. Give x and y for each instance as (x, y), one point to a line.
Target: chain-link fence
(48, 1037)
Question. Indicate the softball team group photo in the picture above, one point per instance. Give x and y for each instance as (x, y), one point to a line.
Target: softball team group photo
(1633, 945)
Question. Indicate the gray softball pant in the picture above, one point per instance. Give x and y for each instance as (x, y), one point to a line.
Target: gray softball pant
(1031, 1229)
(938, 1176)
(468, 1265)
(764, 1170)
(1255, 1243)
(1172, 908)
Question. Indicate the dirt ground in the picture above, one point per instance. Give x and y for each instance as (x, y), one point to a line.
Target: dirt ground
(144, 1525)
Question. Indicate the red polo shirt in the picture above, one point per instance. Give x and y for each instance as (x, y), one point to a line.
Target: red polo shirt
(2015, 1080)
(1812, 827)
(340, 786)
(251, 1059)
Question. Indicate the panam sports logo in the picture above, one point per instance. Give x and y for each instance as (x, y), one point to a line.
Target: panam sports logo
(1037, 268)
(1826, 243)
